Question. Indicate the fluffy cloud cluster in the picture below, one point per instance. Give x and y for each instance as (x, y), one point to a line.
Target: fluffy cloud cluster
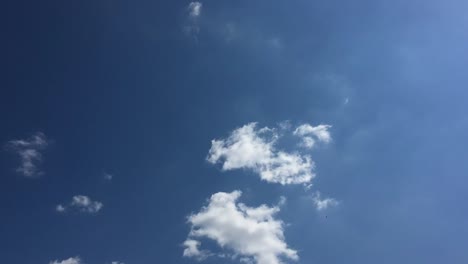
(30, 153)
(251, 233)
(248, 147)
(75, 260)
(310, 134)
(82, 204)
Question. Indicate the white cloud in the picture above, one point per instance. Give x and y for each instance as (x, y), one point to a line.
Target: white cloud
(75, 260)
(322, 204)
(250, 233)
(81, 203)
(195, 9)
(311, 134)
(30, 153)
(250, 148)
(117, 262)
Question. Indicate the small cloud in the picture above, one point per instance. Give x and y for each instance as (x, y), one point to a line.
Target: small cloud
(322, 204)
(117, 262)
(81, 203)
(282, 201)
(285, 125)
(192, 250)
(30, 153)
(108, 176)
(75, 260)
(251, 233)
(60, 208)
(194, 9)
(346, 101)
(192, 27)
(311, 134)
(85, 204)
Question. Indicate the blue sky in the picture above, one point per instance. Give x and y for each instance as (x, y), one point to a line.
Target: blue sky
(233, 132)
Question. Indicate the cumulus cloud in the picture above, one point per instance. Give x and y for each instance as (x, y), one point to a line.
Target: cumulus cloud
(30, 152)
(322, 204)
(248, 147)
(252, 234)
(81, 203)
(310, 134)
(75, 260)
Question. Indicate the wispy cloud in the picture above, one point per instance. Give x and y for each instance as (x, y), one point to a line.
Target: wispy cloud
(251, 233)
(248, 147)
(310, 134)
(230, 32)
(192, 27)
(30, 152)
(73, 260)
(323, 203)
(81, 203)
(108, 176)
(245, 35)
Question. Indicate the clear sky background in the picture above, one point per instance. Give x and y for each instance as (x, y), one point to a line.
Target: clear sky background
(119, 101)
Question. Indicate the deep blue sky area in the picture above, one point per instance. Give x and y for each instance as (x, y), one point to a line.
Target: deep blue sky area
(138, 89)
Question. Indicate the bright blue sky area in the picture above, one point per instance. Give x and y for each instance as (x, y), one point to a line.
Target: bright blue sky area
(122, 87)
